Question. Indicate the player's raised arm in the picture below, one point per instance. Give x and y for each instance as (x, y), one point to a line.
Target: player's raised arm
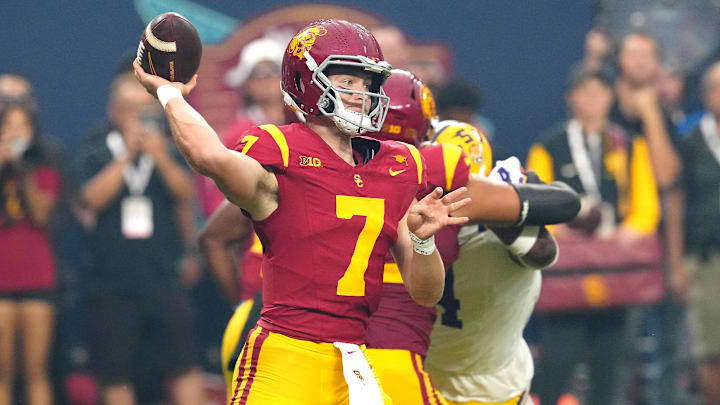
(504, 204)
(238, 176)
(417, 258)
(495, 202)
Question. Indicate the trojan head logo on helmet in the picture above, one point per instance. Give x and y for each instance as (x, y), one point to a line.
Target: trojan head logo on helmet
(335, 44)
(412, 109)
(472, 141)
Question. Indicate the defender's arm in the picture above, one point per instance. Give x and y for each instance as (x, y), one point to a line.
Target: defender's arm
(503, 204)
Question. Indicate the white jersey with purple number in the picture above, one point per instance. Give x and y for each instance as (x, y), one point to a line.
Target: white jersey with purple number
(477, 352)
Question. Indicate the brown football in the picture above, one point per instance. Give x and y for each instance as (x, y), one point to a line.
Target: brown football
(170, 47)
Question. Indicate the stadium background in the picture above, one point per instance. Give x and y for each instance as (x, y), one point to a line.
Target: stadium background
(517, 52)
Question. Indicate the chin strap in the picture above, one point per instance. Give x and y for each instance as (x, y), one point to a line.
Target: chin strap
(347, 127)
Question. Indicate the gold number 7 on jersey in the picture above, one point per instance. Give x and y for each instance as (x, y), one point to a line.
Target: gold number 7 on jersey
(250, 139)
(352, 283)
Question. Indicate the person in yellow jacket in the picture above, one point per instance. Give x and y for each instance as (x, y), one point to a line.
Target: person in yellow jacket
(607, 165)
(610, 167)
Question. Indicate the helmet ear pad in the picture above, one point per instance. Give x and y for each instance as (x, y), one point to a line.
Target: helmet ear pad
(327, 104)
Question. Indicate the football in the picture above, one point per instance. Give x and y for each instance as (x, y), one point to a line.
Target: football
(170, 47)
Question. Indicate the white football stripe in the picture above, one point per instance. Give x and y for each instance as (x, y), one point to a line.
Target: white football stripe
(158, 44)
(140, 51)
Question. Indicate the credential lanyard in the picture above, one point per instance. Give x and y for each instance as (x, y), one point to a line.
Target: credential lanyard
(708, 127)
(582, 161)
(136, 177)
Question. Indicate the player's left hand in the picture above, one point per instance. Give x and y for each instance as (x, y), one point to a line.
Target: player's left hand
(433, 212)
(152, 82)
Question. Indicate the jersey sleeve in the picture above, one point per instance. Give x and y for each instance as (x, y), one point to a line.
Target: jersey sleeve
(448, 166)
(266, 144)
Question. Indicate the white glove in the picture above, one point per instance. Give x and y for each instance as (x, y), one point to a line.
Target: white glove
(508, 171)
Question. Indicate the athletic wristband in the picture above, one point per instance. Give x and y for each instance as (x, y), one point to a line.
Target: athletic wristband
(525, 241)
(167, 92)
(423, 246)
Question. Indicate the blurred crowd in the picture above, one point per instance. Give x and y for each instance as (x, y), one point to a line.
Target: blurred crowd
(106, 295)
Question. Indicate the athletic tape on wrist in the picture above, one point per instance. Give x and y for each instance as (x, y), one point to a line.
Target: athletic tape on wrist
(167, 92)
(525, 241)
(424, 247)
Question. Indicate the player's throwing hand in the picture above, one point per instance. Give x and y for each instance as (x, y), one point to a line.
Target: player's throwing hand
(152, 82)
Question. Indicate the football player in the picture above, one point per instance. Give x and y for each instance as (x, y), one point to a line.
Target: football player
(478, 355)
(327, 209)
(225, 230)
(399, 331)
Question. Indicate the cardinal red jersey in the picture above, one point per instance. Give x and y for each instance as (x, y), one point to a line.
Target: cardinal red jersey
(324, 246)
(400, 323)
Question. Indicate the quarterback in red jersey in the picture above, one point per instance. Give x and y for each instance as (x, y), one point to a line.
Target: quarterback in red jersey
(398, 334)
(327, 209)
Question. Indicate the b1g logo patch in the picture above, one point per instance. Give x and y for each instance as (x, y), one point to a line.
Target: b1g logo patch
(307, 161)
(305, 40)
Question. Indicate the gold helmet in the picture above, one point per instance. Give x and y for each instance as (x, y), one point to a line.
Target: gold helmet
(472, 142)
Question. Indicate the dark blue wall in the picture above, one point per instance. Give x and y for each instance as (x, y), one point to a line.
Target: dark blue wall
(517, 51)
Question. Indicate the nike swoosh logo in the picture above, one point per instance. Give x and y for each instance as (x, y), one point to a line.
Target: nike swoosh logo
(352, 352)
(396, 172)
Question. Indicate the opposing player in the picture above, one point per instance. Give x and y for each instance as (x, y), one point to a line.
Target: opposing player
(478, 355)
(399, 332)
(327, 208)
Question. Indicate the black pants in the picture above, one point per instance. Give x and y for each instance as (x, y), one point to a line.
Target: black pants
(594, 338)
(125, 331)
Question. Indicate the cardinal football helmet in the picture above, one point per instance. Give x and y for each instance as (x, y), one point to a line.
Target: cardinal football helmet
(412, 109)
(332, 43)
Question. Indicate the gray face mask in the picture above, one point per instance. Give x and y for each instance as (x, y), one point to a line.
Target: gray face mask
(18, 146)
